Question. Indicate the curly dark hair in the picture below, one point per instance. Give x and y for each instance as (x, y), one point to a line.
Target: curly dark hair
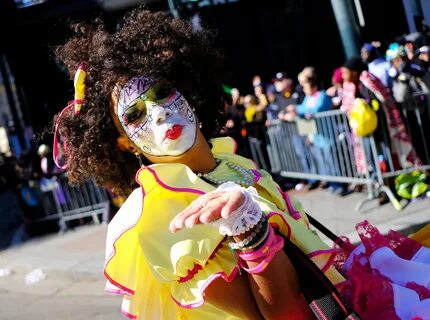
(144, 43)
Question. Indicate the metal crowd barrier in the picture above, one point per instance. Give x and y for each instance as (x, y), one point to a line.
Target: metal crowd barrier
(322, 149)
(416, 113)
(63, 202)
(416, 116)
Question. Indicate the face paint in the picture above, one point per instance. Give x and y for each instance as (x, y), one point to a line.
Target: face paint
(156, 117)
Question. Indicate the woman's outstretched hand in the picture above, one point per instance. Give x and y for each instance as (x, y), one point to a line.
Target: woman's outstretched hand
(207, 208)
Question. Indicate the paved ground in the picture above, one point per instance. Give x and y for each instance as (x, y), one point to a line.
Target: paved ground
(74, 284)
(73, 262)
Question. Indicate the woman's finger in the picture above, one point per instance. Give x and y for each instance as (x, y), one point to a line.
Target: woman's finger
(208, 208)
(209, 196)
(213, 211)
(178, 222)
(192, 220)
(210, 214)
(234, 200)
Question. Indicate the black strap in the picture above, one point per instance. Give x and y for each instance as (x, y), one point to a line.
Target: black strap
(323, 298)
(323, 229)
(318, 225)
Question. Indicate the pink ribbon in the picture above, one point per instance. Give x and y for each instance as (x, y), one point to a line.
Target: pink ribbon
(55, 143)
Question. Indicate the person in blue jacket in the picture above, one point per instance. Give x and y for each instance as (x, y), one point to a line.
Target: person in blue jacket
(319, 160)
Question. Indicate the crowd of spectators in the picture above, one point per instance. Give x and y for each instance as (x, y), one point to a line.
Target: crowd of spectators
(18, 201)
(21, 198)
(30, 191)
(387, 76)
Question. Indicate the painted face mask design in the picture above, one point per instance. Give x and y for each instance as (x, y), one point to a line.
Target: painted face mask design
(156, 117)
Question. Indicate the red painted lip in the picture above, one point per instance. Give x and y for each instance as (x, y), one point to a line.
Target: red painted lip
(174, 132)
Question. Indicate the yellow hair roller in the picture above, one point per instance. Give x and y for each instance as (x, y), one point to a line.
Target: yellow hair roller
(79, 83)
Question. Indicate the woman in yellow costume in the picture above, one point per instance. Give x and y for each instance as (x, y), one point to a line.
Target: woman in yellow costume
(201, 233)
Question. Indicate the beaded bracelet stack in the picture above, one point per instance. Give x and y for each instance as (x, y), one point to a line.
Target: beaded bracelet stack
(260, 246)
(255, 239)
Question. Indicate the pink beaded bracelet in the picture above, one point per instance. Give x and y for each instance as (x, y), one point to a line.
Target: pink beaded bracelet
(267, 252)
(262, 251)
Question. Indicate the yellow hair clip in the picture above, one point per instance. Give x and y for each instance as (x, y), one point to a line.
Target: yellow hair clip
(79, 83)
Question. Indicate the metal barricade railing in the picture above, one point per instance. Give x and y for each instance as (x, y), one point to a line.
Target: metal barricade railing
(322, 148)
(317, 149)
(63, 202)
(297, 148)
(416, 115)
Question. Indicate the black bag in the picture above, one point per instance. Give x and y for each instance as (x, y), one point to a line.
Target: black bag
(324, 299)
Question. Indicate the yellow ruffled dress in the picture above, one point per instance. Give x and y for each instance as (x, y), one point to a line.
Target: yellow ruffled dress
(163, 275)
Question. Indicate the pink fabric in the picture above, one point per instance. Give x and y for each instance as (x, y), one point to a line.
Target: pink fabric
(264, 255)
(263, 251)
(403, 246)
(422, 291)
(55, 152)
(337, 76)
(369, 292)
(293, 212)
(343, 248)
(197, 267)
(402, 151)
(401, 146)
(128, 315)
(370, 237)
(371, 296)
(223, 275)
(348, 96)
(274, 213)
(191, 273)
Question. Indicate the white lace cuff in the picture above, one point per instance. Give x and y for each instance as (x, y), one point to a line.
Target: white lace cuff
(243, 218)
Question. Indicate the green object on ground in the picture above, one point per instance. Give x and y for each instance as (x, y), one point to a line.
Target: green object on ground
(411, 185)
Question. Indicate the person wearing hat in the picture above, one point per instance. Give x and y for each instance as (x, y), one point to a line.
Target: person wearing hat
(280, 95)
(284, 87)
(406, 75)
(376, 64)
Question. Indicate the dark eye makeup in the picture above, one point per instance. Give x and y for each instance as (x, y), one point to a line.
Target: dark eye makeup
(136, 111)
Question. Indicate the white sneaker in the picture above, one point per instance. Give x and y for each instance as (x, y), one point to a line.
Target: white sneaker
(299, 186)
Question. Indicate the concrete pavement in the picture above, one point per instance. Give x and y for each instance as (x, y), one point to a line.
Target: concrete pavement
(73, 287)
(73, 262)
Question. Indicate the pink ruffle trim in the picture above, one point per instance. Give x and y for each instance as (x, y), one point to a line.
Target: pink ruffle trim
(422, 291)
(368, 292)
(371, 296)
(215, 276)
(128, 315)
(197, 267)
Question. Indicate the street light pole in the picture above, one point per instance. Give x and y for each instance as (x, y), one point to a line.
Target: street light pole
(15, 112)
(348, 27)
(173, 9)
